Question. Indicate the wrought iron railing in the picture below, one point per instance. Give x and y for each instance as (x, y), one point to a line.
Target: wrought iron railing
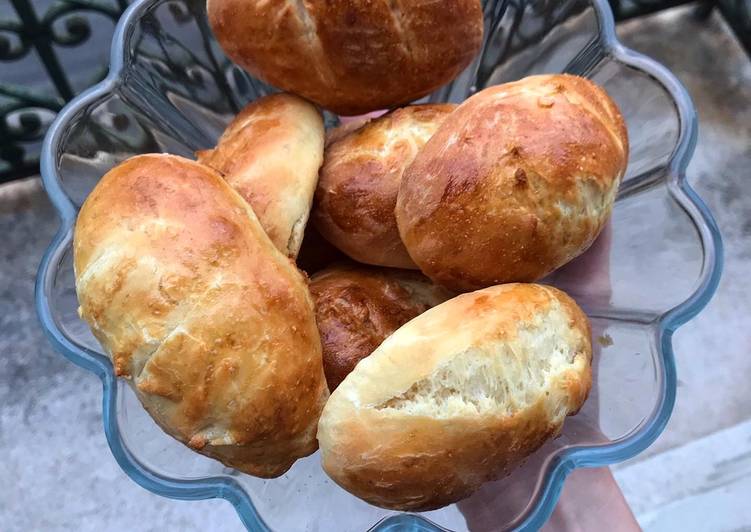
(45, 59)
(50, 50)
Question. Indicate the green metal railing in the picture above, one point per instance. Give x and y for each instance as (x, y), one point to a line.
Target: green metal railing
(38, 38)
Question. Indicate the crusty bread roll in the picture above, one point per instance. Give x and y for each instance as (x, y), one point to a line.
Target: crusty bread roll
(457, 396)
(518, 180)
(358, 307)
(359, 180)
(270, 153)
(211, 324)
(350, 56)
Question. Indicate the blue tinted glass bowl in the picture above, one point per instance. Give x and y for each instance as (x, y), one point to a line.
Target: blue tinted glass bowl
(171, 89)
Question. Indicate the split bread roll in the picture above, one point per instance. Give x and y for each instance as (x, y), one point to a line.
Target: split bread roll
(457, 397)
(359, 181)
(213, 327)
(517, 181)
(270, 153)
(357, 308)
(350, 57)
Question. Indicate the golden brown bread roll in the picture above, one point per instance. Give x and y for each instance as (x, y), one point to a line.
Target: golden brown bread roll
(358, 307)
(350, 56)
(211, 324)
(270, 153)
(457, 397)
(359, 181)
(518, 180)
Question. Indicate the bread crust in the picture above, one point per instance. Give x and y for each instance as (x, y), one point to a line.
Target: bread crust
(358, 307)
(270, 153)
(350, 56)
(516, 182)
(359, 180)
(457, 397)
(212, 326)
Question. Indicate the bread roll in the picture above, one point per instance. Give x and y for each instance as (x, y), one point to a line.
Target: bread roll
(211, 324)
(350, 56)
(270, 153)
(358, 307)
(359, 180)
(457, 397)
(519, 180)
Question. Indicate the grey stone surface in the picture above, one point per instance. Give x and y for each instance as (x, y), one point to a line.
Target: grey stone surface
(712, 351)
(58, 473)
(706, 481)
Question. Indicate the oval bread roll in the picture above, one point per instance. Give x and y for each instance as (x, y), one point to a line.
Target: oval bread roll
(358, 307)
(350, 57)
(359, 181)
(211, 324)
(519, 180)
(270, 153)
(457, 397)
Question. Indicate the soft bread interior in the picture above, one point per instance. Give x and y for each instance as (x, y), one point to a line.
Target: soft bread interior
(501, 378)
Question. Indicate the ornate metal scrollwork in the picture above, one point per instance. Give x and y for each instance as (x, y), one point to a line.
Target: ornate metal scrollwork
(31, 40)
(34, 84)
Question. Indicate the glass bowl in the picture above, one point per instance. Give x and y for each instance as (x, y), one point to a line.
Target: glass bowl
(171, 89)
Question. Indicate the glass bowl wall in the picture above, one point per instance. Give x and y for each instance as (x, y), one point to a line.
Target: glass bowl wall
(171, 89)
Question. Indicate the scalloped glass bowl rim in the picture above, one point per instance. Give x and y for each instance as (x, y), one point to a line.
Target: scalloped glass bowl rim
(565, 462)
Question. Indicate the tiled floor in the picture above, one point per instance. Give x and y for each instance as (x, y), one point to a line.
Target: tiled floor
(696, 476)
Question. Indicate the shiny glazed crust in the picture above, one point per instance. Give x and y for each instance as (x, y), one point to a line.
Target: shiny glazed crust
(270, 153)
(359, 181)
(457, 397)
(211, 324)
(358, 307)
(350, 56)
(518, 180)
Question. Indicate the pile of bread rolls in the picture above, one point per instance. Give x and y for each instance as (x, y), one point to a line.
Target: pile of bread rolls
(415, 356)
